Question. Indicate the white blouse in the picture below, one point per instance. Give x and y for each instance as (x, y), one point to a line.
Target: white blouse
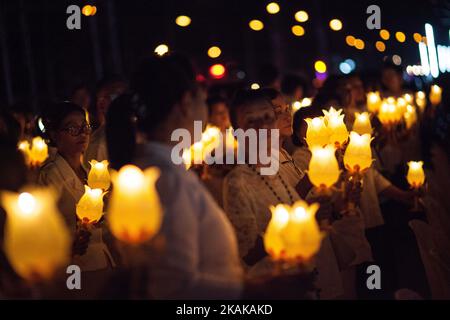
(56, 172)
(290, 168)
(247, 199)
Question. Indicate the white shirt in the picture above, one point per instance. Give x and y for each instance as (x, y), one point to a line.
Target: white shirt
(290, 168)
(247, 200)
(57, 173)
(302, 156)
(200, 258)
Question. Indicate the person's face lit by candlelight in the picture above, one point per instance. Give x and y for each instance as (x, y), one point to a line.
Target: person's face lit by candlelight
(284, 117)
(72, 136)
(257, 116)
(219, 116)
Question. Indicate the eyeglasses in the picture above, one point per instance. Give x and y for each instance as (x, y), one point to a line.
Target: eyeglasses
(77, 130)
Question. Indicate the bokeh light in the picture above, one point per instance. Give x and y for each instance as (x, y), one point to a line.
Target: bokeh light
(256, 25)
(417, 37)
(217, 71)
(298, 30)
(359, 44)
(335, 24)
(380, 46)
(384, 34)
(162, 49)
(273, 8)
(301, 16)
(183, 21)
(214, 52)
(350, 40)
(400, 36)
(320, 66)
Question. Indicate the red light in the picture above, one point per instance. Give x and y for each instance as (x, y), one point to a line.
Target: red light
(200, 78)
(217, 71)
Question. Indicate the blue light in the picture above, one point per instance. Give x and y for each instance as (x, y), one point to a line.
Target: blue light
(345, 68)
(351, 63)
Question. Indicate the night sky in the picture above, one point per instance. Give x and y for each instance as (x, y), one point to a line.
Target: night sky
(44, 59)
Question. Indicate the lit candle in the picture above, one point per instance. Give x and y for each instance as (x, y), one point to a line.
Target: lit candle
(390, 100)
(211, 135)
(293, 233)
(323, 169)
(362, 123)
(401, 105)
(389, 114)
(296, 105)
(410, 116)
(317, 132)
(408, 98)
(230, 142)
(336, 126)
(38, 152)
(435, 95)
(99, 177)
(24, 147)
(211, 139)
(36, 241)
(197, 152)
(306, 102)
(135, 212)
(90, 206)
(373, 101)
(421, 100)
(358, 155)
(186, 156)
(416, 175)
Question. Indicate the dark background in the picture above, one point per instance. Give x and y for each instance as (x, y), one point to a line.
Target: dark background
(42, 60)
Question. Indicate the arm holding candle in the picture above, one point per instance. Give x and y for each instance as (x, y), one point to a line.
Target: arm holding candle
(48, 177)
(396, 194)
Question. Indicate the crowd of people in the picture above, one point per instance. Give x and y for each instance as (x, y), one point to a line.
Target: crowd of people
(215, 215)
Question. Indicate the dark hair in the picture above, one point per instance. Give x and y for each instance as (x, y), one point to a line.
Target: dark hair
(54, 115)
(9, 128)
(21, 107)
(77, 88)
(12, 166)
(331, 90)
(299, 118)
(243, 99)
(291, 82)
(120, 131)
(270, 93)
(107, 81)
(390, 65)
(157, 85)
(213, 100)
(268, 73)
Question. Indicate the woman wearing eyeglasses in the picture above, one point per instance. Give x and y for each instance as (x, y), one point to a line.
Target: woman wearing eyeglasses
(69, 131)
